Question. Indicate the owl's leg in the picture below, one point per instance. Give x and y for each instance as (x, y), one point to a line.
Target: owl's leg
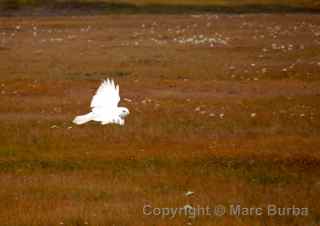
(118, 121)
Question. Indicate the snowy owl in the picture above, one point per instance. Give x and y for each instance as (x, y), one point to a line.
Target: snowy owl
(104, 106)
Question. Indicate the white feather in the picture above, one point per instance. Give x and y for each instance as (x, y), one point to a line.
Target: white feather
(82, 119)
(107, 95)
(104, 106)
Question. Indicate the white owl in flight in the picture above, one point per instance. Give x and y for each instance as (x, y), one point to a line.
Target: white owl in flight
(104, 106)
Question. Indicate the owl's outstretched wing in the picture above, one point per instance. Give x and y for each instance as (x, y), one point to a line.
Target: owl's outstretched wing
(107, 95)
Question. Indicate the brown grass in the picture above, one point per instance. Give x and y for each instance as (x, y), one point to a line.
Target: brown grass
(103, 175)
(89, 7)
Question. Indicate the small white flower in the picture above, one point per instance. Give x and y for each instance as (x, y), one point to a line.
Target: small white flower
(127, 100)
(188, 193)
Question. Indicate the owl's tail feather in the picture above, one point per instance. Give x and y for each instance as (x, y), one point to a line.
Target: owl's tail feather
(81, 119)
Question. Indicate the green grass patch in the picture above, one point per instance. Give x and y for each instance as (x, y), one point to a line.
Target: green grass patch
(6, 151)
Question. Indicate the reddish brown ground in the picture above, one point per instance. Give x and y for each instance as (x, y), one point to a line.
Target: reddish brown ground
(235, 122)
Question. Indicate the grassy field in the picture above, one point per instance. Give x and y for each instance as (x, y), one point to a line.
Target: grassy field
(226, 106)
(169, 6)
(181, 2)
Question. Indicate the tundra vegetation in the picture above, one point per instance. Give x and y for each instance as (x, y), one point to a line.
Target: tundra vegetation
(223, 106)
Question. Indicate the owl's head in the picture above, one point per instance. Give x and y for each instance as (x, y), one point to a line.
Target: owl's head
(123, 112)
